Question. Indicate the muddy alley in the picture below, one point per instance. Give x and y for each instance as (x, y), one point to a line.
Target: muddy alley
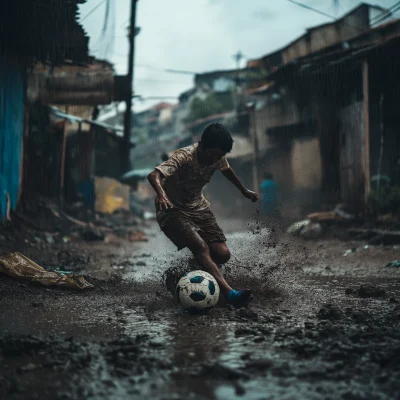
(324, 324)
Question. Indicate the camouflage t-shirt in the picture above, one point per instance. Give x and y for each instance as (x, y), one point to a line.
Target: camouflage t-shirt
(185, 178)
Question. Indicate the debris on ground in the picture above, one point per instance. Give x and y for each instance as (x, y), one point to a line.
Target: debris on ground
(136, 237)
(338, 214)
(368, 290)
(297, 227)
(111, 238)
(349, 251)
(330, 312)
(394, 264)
(16, 265)
(306, 229)
(92, 235)
(72, 261)
(375, 236)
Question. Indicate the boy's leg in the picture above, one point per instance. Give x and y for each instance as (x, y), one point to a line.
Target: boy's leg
(184, 233)
(201, 252)
(220, 253)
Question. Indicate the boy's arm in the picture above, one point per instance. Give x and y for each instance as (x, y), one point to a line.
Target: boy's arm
(155, 178)
(232, 177)
(162, 172)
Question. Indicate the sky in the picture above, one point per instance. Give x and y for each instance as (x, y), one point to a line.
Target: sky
(197, 36)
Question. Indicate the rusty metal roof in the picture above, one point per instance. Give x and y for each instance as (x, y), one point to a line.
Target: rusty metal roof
(45, 30)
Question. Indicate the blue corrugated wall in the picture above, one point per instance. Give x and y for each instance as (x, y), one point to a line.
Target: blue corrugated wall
(11, 131)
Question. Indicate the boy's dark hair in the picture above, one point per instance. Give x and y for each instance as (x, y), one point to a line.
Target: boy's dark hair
(216, 136)
(268, 175)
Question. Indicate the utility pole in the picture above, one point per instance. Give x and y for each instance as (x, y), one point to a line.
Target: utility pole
(238, 57)
(125, 147)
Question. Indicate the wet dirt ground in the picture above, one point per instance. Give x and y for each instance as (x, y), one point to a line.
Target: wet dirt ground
(322, 325)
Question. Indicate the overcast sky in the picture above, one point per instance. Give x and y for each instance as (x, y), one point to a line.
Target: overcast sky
(198, 35)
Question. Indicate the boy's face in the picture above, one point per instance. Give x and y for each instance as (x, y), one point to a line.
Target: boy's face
(211, 156)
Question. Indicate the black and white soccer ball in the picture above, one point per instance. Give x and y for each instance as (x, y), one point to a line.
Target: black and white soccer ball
(197, 291)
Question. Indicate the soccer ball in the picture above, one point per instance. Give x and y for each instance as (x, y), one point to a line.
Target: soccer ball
(197, 291)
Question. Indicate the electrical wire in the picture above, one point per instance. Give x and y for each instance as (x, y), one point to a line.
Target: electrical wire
(312, 9)
(386, 14)
(386, 11)
(105, 42)
(92, 10)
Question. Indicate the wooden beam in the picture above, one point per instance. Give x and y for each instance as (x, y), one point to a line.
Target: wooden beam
(367, 173)
(76, 98)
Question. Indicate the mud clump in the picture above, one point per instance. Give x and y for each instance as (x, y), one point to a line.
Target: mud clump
(71, 261)
(330, 312)
(366, 291)
(12, 346)
(219, 371)
(260, 364)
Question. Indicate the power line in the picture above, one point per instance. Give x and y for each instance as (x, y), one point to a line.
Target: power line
(347, 23)
(385, 11)
(386, 14)
(312, 9)
(92, 10)
(106, 40)
(177, 71)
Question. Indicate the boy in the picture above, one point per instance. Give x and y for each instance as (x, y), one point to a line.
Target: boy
(183, 213)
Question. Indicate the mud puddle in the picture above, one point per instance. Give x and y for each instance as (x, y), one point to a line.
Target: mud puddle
(307, 336)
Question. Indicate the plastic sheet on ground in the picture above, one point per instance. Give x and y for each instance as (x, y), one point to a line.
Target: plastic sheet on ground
(18, 266)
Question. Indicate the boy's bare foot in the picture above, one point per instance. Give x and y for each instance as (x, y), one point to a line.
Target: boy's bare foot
(239, 299)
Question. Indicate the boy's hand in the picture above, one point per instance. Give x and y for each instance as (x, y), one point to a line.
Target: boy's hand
(250, 195)
(164, 203)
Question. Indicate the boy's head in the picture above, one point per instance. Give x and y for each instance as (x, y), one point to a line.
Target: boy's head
(268, 176)
(215, 142)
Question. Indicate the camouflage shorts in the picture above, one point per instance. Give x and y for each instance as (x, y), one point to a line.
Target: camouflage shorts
(179, 226)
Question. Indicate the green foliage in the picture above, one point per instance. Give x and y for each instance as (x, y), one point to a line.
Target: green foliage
(213, 104)
(386, 200)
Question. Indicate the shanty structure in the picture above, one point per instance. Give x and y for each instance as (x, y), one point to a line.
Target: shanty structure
(325, 117)
(45, 30)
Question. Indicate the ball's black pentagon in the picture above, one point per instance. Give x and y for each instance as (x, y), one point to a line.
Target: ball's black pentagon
(211, 287)
(197, 279)
(197, 296)
(178, 289)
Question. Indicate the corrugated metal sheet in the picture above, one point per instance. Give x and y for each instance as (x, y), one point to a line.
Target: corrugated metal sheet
(11, 130)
